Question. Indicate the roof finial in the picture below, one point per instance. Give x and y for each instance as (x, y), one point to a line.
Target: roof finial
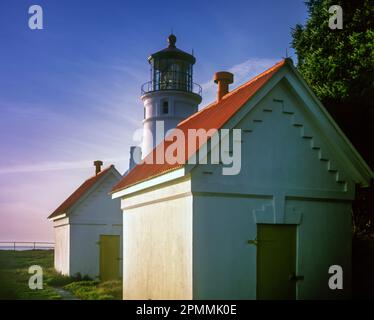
(172, 39)
(288, 57)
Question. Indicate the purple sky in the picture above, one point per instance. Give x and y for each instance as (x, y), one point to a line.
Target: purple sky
(69, 94)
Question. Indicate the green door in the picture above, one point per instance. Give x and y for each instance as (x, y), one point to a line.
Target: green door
(109, 257)
(276, 261)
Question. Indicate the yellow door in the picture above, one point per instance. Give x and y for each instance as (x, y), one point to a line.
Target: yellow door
(109, 257)
(276, 261)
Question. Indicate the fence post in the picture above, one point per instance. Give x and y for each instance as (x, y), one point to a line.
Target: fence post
(14, 246)
(34, 246)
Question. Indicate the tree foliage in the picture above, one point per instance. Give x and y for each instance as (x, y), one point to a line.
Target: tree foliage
(339, 66)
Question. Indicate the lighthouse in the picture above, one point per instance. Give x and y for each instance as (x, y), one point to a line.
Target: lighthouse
(170, 96)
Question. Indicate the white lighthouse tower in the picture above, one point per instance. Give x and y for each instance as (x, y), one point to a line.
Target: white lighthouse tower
(171, 95)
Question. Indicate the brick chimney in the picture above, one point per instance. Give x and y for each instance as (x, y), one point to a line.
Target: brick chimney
(98, 164)
(223, 79)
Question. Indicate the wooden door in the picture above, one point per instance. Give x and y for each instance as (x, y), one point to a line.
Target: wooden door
(276, 261)
(109, 257)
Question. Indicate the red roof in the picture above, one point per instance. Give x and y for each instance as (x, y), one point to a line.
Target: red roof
(213, 116)
(78, 193)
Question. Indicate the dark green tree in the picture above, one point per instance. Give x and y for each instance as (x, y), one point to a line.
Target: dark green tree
(339, 66)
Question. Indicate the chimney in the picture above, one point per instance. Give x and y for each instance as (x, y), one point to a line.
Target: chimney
(135, 156)
(98, 164)
(223, 78)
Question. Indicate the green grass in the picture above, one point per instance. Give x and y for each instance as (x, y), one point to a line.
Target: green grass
(14, 274)
(94, 290)
(14, 279)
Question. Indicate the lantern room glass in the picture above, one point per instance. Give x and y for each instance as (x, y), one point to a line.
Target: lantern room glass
(171, 74)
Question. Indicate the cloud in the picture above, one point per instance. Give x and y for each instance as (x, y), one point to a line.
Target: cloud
(243, 72)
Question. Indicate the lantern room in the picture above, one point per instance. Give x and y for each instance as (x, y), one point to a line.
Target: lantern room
(171, 69)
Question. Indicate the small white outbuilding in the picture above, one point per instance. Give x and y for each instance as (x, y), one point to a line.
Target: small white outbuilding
(88, 229)
(278, 229)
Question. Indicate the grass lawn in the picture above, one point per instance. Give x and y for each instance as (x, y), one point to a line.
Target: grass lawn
(94, 290)
(14, 278)
(14, 274)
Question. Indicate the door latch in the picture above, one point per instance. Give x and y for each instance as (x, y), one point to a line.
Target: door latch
(294, 277)
(254, 242)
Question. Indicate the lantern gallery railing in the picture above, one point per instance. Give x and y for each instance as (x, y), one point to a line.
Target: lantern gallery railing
(152, 86)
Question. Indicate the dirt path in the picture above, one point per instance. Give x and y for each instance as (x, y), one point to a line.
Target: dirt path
(66, 295)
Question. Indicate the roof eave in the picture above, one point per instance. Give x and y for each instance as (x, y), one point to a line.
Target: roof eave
(58, 217)
(146, 184)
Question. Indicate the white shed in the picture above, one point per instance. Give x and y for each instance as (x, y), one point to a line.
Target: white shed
(88, 229)
(271, 231)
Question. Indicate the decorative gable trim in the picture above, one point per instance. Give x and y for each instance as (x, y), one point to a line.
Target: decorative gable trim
(359, 168)
(339, 143)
